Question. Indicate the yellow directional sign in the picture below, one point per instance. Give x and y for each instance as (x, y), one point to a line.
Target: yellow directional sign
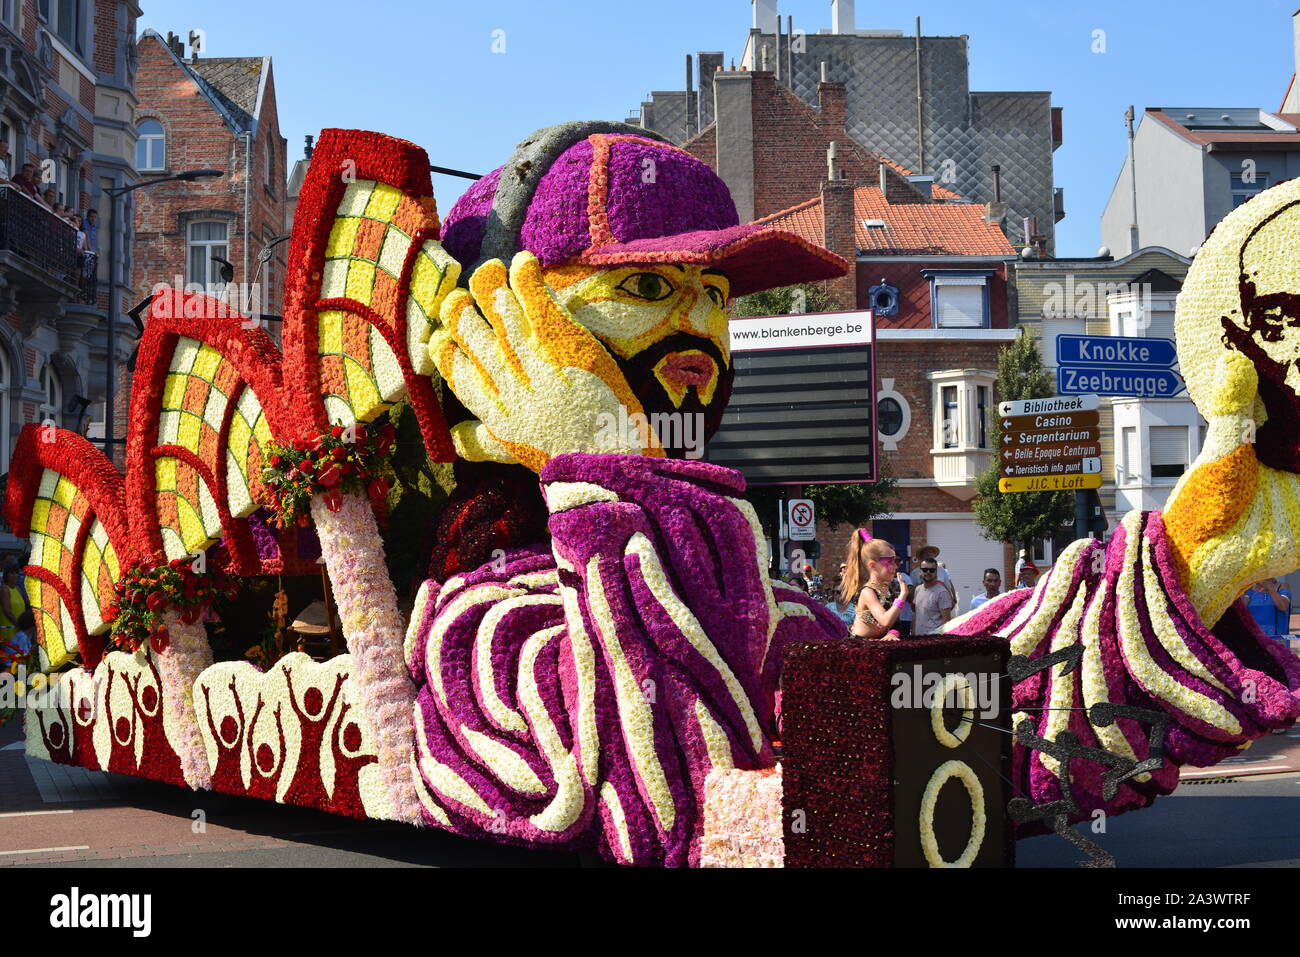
(1049, 483)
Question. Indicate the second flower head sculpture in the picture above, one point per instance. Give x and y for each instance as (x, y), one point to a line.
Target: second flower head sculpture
(576, 691)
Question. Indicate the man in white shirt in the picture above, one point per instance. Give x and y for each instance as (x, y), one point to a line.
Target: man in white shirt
(931, 552)
(933, 600)
(992, 588)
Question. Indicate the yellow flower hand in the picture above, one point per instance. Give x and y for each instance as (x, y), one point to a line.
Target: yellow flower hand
(539, 383)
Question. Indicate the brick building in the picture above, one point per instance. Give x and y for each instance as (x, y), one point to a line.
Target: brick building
(908, 97)
(217, 113)
(67, 100)
(930, 264)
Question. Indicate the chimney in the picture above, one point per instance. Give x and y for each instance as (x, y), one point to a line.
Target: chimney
(710, 63)
(309, 147)
(838, 232)
(899, 190)
(995, 211)
(764, 15)
(831, 102)
(690, 97)
(733, 117)
(842, 17)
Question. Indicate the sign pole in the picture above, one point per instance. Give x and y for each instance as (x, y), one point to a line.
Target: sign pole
(1080, 513)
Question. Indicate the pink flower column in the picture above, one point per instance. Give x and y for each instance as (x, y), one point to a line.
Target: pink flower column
(179, 667)
(373, 629)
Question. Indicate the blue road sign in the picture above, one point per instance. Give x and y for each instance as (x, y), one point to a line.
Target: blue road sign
(1115, 352)
(1149, 383)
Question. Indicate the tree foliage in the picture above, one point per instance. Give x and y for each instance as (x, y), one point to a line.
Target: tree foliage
(1019, 517)
(787, 300)
(854, 503)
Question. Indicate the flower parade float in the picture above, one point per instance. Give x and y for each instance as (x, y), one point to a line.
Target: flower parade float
(593, 662)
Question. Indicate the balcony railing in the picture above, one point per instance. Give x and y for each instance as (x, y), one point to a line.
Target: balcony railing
(30, 230)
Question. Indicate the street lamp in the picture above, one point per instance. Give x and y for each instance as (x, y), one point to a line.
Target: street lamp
(111, 379)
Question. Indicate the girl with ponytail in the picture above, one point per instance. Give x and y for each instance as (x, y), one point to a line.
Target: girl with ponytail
(871, 565)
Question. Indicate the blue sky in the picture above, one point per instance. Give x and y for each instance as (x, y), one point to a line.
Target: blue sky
(425, 69)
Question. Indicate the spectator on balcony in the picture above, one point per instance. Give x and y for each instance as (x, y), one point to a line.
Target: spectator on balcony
(26, 180)
(81, 234)
(4, 161)
(92, 230)
(50, 198)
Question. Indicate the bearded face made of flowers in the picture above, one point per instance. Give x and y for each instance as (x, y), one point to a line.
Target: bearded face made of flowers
(600, 262)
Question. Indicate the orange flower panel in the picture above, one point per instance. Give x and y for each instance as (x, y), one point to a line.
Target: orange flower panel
(187, 483)
(105, 587)
(414, 215)
(356, 340)
(384, 300)
(196, 394)
(332, 381)
(57, 520)
(370, 236)
(167, 514)
(209, 446)
(226, 378)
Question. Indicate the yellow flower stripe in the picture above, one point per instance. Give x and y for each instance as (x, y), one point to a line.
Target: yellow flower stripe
(634, 714)
(652, 573)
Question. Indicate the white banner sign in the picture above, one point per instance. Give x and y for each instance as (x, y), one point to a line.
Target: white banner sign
(801, 331)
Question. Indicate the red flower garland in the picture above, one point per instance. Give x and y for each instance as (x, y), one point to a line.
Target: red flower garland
(145, 593)
(342, 460)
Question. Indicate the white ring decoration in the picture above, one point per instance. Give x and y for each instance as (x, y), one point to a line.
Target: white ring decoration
(962, 771)
(950, 739)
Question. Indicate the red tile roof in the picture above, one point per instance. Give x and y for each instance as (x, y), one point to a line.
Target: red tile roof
(911, 229)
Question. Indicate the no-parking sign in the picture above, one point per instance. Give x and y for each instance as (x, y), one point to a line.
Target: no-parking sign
(803, 520)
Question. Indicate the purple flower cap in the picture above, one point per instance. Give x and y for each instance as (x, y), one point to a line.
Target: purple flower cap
(608, 194)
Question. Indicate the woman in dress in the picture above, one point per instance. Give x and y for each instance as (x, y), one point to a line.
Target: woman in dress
(870, 567)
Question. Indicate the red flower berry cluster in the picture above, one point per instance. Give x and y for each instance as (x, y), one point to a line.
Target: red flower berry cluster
(145, 593)
(342, 460)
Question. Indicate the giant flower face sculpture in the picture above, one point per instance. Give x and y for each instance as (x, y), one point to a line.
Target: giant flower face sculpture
(623, 251)
(666, 327)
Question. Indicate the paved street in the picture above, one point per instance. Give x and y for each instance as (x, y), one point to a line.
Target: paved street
(1242, 813)
(52, 815)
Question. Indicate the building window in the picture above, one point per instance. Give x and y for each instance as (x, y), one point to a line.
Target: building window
(52, 407)
(150, 148)
(9, 12)
(270, 162)
(982, 416)
(959, 301)
(1168, 451)
(948, 402)
(207, 239)
(883, 299)
(1131, 463)
(65, 18)
(963, 404)
(891, 416)
(1243, 190)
